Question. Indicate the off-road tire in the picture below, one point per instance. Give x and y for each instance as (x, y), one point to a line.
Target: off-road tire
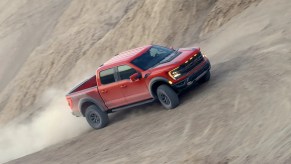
(95, 117)
(167, 96)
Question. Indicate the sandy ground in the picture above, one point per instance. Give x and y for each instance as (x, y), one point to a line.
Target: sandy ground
(242, 115)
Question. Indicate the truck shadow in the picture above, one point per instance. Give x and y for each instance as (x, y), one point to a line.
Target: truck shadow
(219, 72)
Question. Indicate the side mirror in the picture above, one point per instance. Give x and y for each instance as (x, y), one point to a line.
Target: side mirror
(135, 76)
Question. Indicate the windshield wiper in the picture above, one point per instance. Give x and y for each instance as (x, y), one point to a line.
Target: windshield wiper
(168, 58)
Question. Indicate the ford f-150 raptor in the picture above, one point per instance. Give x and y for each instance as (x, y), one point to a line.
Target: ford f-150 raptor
(137, 77)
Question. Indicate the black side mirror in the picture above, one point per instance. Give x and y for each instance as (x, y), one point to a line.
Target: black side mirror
(135, 76)
(139, 76)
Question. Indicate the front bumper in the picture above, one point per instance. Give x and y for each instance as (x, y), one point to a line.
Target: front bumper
(193, 78)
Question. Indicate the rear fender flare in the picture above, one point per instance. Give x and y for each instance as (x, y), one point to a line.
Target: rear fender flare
(90, 100)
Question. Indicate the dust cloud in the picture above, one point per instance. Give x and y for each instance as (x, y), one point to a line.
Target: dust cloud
(50, 126)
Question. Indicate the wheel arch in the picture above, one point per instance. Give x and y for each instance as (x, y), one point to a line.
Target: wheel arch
(84, 103)
(155, 83)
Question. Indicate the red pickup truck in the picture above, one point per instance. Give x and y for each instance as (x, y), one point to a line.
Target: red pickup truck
(136, 77)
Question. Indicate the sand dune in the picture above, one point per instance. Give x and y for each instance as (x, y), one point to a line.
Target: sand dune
(241, 116)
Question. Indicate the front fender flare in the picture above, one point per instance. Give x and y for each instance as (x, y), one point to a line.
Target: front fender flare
(155, 80)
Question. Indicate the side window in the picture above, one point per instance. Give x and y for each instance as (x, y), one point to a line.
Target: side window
(125, 72)
(107, 76)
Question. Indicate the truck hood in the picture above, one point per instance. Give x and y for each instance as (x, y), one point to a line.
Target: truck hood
(184, 55)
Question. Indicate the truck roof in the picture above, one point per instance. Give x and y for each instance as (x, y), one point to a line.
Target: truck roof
(126, 56)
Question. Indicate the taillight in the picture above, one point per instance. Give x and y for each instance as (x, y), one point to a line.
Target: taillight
(70, 103)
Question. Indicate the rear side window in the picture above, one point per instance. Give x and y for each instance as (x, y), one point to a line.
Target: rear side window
(107, 76)
(125, 72)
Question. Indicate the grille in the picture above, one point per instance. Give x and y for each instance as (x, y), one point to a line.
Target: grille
(191, 64)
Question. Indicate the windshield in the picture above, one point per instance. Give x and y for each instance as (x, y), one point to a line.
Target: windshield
(152, 57)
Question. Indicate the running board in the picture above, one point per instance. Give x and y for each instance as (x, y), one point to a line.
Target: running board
(131, 105)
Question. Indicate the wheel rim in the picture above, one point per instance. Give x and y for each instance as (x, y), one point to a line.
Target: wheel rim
(164, 99)
(94, 118)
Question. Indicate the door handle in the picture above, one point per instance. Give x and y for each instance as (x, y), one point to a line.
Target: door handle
(104, 91)
(123, 86)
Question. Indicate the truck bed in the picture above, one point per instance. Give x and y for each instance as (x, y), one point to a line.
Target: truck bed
(86, 90)
(88, 83)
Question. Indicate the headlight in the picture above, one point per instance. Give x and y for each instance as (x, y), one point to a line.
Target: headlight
(175, 74)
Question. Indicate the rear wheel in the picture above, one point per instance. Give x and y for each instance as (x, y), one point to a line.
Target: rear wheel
(96, 118)
(167, 96)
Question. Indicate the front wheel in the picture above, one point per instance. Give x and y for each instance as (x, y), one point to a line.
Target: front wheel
(167, 96)
(95, 117)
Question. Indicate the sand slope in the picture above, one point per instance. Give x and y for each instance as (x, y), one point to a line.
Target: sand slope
(85, 33)
(241, 116)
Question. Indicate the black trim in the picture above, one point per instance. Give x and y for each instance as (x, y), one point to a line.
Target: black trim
(192, 78)
(132, 105)
(91, 100)
(116, 76)
(153, 81)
